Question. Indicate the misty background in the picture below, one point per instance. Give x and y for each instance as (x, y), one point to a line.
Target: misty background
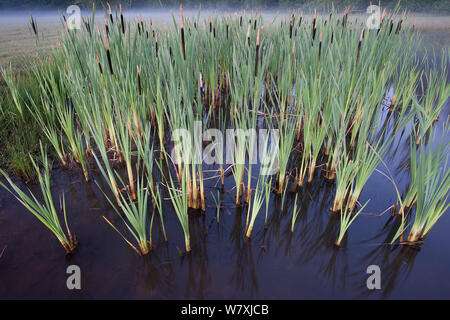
(431, 6)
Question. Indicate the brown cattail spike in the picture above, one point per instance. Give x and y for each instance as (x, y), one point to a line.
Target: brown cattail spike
(359, 46)
(291, 25)
(257, 53)
(182, 32)
(33, 25)
(108, 55)
(110, 13)
(156, 43)
(227, 28)
(121, 20)
(314, 24)
(106, 26)
(139, 80)
(320, 44)
(99, 65)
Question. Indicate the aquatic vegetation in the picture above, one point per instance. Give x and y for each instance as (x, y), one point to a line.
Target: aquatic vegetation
(430, 183)
(136, 216)
(45, 211)
(295, 213)
(338, 94)
(347, 217)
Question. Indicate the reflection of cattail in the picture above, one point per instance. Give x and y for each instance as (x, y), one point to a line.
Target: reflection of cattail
(139, 79)
(33, 25)
(359, 46)
(257, 54)
(99, 65)
(320, 44)
(110, 13)
(182, 32)
(121, 20)
(108, 55)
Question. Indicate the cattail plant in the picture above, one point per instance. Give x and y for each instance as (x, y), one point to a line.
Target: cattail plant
(45, 212)
(33, 25)
(347, 217)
